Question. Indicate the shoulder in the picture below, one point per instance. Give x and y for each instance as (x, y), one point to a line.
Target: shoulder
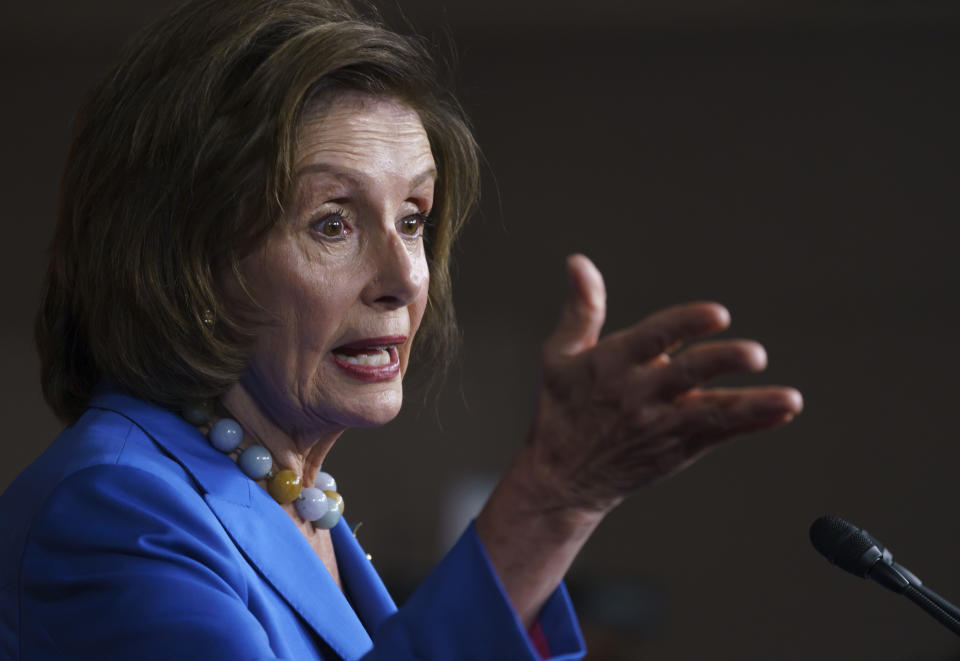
(129, 564)
(122, 509)
(106, 511)
(99, 438)
(101, 477)
(104, 464)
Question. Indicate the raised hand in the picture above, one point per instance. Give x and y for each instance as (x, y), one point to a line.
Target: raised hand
(620, 412)
(614, 414)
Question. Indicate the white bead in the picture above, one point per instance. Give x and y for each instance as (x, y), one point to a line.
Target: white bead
(312, 504)
(325, 482)
(329, 519)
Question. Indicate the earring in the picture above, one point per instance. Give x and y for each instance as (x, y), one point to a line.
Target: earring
(207, 318)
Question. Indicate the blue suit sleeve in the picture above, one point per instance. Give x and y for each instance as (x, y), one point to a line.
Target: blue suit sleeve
(461, 612)
(122, 565)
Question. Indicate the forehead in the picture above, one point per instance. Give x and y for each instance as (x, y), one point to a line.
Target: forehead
(374, 135)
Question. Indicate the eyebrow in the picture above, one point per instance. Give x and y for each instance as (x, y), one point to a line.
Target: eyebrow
(356, 176)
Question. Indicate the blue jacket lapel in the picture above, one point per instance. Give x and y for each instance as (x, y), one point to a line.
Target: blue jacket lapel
(280, 553)
(370, 597)
(265, 534)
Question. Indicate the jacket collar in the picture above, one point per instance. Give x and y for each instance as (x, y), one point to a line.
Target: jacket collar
(265, 534)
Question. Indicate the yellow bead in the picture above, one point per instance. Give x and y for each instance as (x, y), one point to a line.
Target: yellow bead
(337, 497)
(284, 486)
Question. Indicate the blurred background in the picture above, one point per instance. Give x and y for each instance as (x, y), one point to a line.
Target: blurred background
(797, 161)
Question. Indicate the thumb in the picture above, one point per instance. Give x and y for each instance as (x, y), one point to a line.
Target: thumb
(583, 312)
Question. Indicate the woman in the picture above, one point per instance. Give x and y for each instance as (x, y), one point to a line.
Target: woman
(256, 221)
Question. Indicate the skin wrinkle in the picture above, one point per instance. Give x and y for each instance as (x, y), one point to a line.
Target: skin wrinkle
(371, 158)
(351, 177)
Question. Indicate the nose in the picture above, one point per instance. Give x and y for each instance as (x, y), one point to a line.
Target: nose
(398, 272)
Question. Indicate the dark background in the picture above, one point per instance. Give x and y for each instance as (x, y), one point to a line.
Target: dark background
(797, 161)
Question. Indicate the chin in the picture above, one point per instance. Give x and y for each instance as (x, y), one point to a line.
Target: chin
(373, 410)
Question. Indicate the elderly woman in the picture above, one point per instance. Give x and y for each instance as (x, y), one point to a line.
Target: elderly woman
(253, 241)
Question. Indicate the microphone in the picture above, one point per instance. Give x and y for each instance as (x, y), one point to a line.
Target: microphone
(855, 551)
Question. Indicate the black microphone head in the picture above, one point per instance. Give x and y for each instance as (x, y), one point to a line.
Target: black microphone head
(845, 545)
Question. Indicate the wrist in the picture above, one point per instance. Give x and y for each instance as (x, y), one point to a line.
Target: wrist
(556, 492)
(530, 503)
(531, 536)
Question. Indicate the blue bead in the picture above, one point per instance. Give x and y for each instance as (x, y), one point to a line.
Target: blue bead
(225, 435)
(325, 482)
(198, 413)
(329, 519)
(312, 504)
(255, 462)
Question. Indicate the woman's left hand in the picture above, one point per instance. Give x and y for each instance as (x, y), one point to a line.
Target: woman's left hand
(613, 415)
(618, 413)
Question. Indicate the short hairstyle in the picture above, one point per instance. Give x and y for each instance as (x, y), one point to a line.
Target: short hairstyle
(181, 163)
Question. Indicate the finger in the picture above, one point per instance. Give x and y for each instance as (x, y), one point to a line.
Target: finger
(660, 333)
(718, 414)
(701, 363)
(774, 399)
(583, 312)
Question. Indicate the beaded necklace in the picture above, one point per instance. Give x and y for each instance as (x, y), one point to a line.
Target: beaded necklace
(320, 504)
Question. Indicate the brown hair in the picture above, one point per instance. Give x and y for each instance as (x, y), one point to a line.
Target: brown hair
(181, 163)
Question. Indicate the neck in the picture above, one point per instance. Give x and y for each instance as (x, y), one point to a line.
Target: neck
(292, 449)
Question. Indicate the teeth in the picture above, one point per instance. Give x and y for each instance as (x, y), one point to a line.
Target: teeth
(380, 358)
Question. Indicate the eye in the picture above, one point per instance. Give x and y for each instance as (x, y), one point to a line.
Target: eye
(332, 225)
(412, 226)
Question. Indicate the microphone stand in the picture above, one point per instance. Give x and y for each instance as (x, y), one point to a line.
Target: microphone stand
(900, 579)
(946, 613)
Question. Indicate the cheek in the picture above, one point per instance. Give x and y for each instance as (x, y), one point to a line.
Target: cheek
(318, 305)
(420, 275)
(303, 304)
(417, 308)
(420, 272)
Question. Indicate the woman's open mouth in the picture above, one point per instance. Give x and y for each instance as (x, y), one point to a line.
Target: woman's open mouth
(377, 357)
(370, 359)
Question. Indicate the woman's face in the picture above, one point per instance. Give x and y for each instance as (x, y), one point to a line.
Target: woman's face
(345, 273)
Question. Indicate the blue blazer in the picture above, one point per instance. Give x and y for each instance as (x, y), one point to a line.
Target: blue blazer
(132, 538)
